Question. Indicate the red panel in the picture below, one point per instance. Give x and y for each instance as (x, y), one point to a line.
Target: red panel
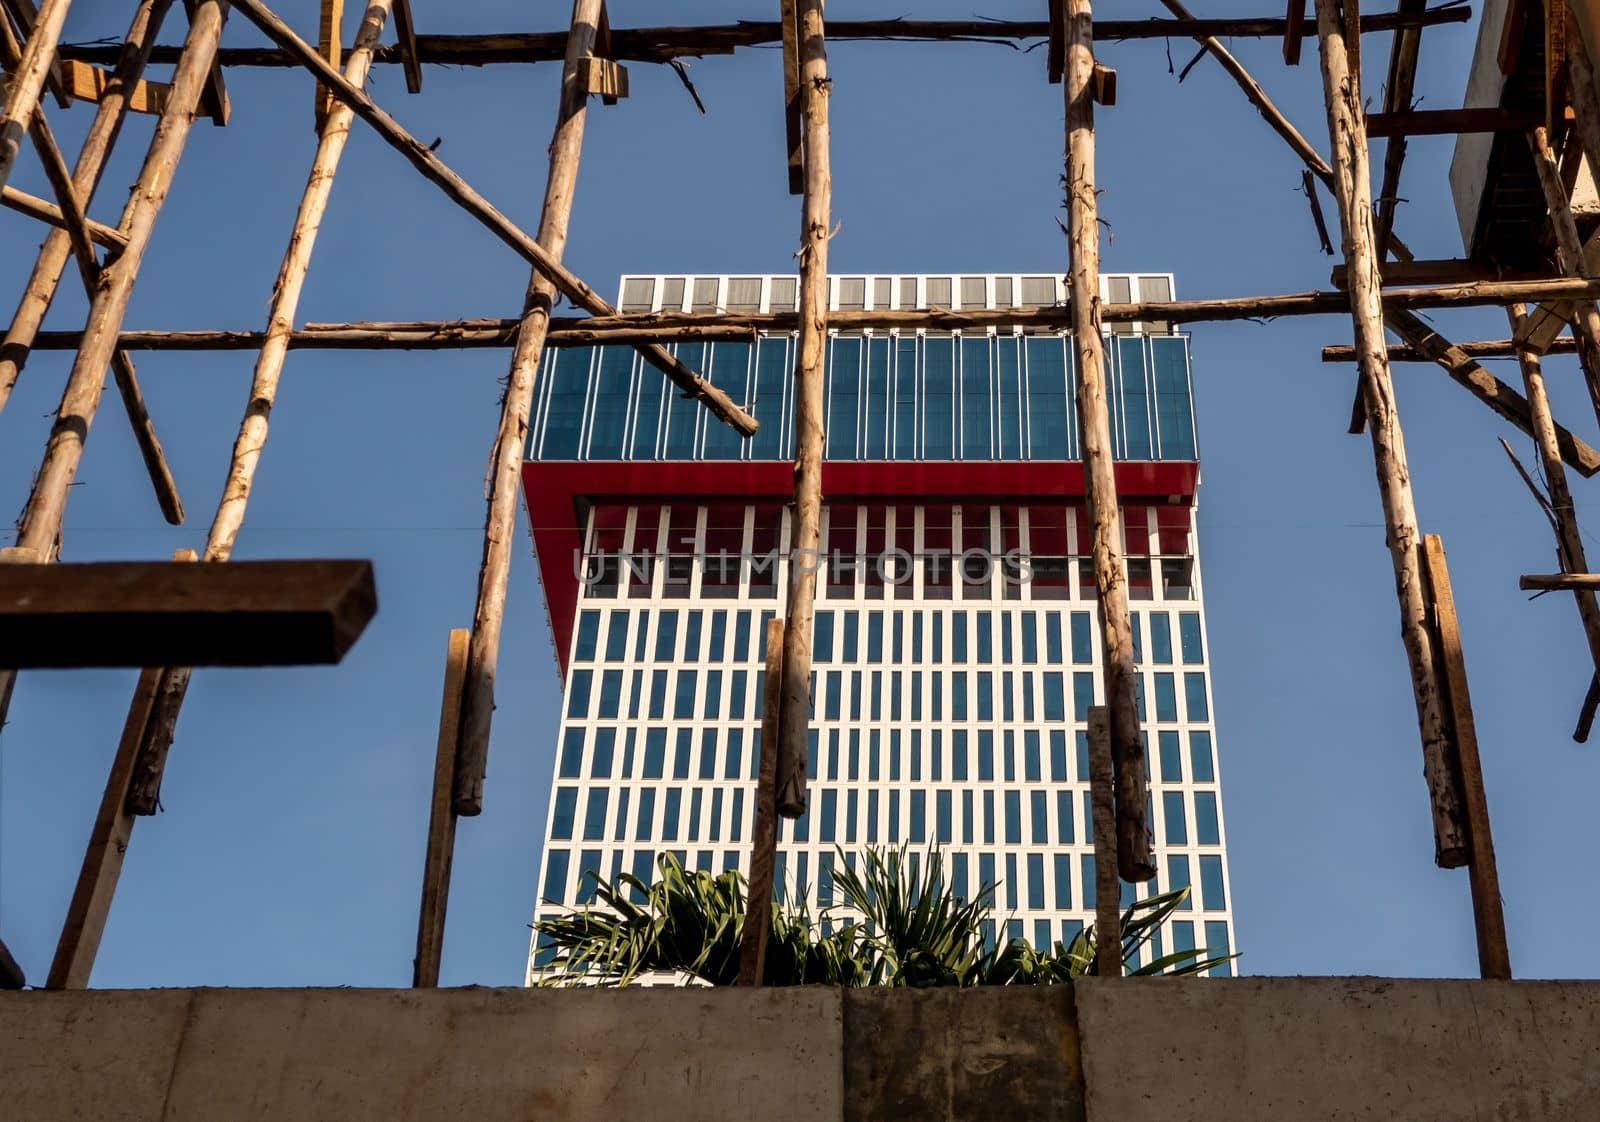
(554, 489)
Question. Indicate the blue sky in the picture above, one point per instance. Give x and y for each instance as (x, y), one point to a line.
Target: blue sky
(291, 847)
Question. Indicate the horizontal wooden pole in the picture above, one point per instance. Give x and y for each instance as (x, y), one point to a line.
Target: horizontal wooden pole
(1555, 582)
(1446, 270)
(153, 613)
(659, 44)
(45, 211)
(1444, 122)
(418, 335)
(1485, 348)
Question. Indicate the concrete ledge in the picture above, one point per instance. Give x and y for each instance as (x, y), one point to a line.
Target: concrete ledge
(1244, 1050)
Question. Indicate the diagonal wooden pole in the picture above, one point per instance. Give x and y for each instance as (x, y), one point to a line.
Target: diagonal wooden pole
(27, 81)
(1135, 861)
(437, 859)
(1352, 188)
(815, 209)
(46, 211)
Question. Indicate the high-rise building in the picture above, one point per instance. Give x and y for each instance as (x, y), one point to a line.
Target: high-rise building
(956, 642)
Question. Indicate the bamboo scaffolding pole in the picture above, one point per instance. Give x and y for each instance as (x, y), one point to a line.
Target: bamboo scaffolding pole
(1103, 815)
(505, 459)
(41, 521)
(1569, 537)
(764, 838)
(76, 224)
(1135, 861)
(1352, 180)
(27, 81)
(40, 290)
(433, 169)
(1585, 317)
(815, 216)
(661, 44)
(440, 851)
(46, 211)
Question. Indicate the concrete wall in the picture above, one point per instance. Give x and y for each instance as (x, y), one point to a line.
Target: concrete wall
(1241, 1050)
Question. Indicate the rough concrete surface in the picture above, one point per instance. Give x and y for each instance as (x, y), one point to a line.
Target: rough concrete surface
(1341, 1049)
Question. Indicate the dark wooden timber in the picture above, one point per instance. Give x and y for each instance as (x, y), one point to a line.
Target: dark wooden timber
(1102, 803)
(144, 613)
(1444, 122)
(1552, 582)
(764, 840)
(440, 852)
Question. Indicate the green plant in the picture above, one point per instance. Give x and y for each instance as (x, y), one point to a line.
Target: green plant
(894, 927)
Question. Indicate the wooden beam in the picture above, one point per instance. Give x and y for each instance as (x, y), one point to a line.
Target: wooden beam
(1102, 803)
(330, 24)
(764, 838)
(661, 44)
(793, 128)
(1559, 582)
(1347, 140)
(26, 81)
(142, 613)
(1494, 956)
(1479, 348)
(109, 839)
(1397, 91)
(24, 14)
(1584, 315)
(46, 211)
(1446, 122)
(406, 44)
(214, 101)
(1056, 50)
(435, 171)
(41, 521)
(84, 82)
(441, 848)
(1135, 860)
(155, 739)
(601, 77)
(1294, 32)
(1449, 270)
(810, 351)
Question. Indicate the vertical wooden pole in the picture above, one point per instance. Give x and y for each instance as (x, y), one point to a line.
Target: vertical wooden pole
(329, 46)
(102, 134)
(41, 521)
(793, 126)
(27, 81)
(1102, 802)
(1585, 315)
(1488, 914)
(816, 206)
(506, 457)
(1347, 132)
(764, 839)
(1569, 537)
(1135, 860)
(441, 820)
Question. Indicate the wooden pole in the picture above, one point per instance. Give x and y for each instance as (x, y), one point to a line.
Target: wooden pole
(46, 211)
(543, 259)
(764, 841)
(130, 61)
(1488, 914)
(1397, 88)
(662, 44)
(76, 223)
(27, 81)
(41, 521)
(1585, 316)
(1352, 182)
(329, 44)
(1558, 582)
(1478, 348)
(1136, 862)
(1102, 801)
(506, 456)
(441, 821)
(805, 558)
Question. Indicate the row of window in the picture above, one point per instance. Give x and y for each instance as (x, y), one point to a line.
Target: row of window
(857, 695)
(887, 397)
(696, 814)
(872, 755)
(873, 637)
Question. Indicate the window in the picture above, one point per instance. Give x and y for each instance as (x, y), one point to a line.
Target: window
(610, 693)
(605, 741)
(578, 693)
(1013, 817)
(1206, 829)
(1194, 691)
(1049, 422)
(977, 422)
(1064, 823)
(1166, 698)
(1173, 815)
(1052, 638)
(1189, 637)
(1177, 578)
(985, 755)
(1039, 818)
(1055, 705)
(1030, 754)
(1178, 876)
(1082, 651)
(958, 756)
(919, 816)
(844, 398)
(683, 696)
(1082, 695)
(938, 404)
(1063, 878)
(655, 751)
(1211, 893)
(571, 755)
(666, 636)
(566, 807)
(680, 754)
(1217, 944)
(830, 816)
(712, 706)
(1174, 412)
(644, 867)
(588, 631)
(1171, 759)
(1036, 880)
(822, 637)
(555, 875)
(670, 810)
(1160, 638)
(594, 815)
(943, 825)
(658, 693)
(1200, 757)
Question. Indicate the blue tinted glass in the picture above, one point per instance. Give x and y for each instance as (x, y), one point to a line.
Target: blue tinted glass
(1174, 412)
(1200, 757)
(1194, 692)
(645, 824)
(712, 706)
(1160, 638)
(708, 754)
(566, 806)
(1063, 871)
(1166, 698)
(1171, 758)
(1173, 814)
(681, 752)
(1081, 651)
(1039, 817)
(875, 407)
(1217, 944)
(670, 809)
(1212, 897)
(683, 694)
(1064, 829)
(609, 419)
(644, 867)
(555, 875)
(1013, 817)
(1058, 755)
(1135, 398)
(1082, 695)
(1049, 431)
(610, 693)
(569, 385)
(1009, 421)
(852, 625)
(1036, 880)
(905, 398)
(594, 815)
(691, 637)
(919, 816)
(666, 636)
(942, 816)
(772, 378)
(655, 751)
(938, 398)
(977, 405)
(617, 637)
(683, 413)
(1189, 637)
(1052, 638)
(1206, 829)
(1030, 753)
(605, 741)
(844, 398)
(588, 872)
(578, 693)
(571, 754)
(1055, 704)
(822, 637)
(588, 636)
(730, 370)
(735, 753)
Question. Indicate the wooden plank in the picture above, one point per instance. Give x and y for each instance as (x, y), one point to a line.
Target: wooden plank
(47, 211)
(405, 33)
(1056, 52)
(764, 839)
(603, 77)
(793, 133)
(1494, 956)
(1135, 859)
(1102, 803)
(143, 613)
(1294, 32)
(1445, 122)
(1447, 270)
(108, 845)
(1103, 85)
(441, 848)
(1555, 67)
(214, 100)
(1558, 582)
(330, 23)
(1478, 348)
